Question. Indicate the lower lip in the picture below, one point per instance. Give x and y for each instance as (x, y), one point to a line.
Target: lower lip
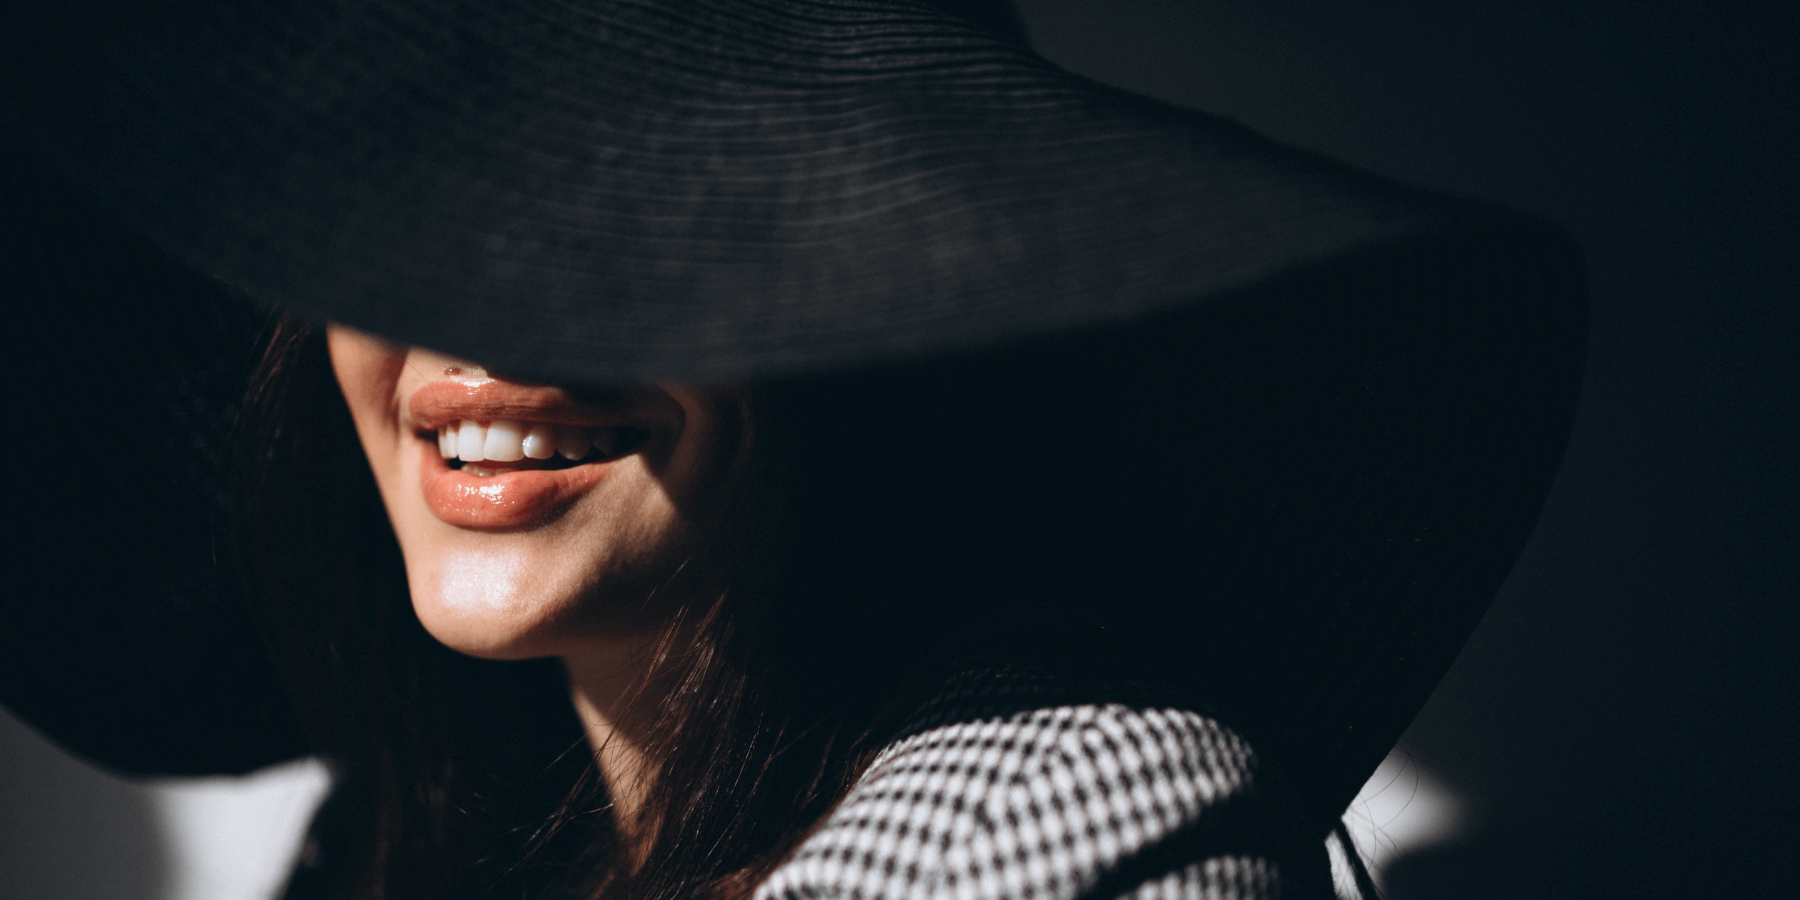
(512, 500)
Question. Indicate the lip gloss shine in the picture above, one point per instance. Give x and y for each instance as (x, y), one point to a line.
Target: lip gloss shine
(508, 500)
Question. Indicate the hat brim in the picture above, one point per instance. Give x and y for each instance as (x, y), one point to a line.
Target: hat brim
(593, 193)
(679, 189)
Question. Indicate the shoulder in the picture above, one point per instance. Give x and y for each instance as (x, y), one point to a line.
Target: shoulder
(1059, 800)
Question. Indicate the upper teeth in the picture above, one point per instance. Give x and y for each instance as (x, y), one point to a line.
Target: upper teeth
(509, 440)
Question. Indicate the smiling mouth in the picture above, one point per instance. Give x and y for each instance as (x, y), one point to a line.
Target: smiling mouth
(486, 449)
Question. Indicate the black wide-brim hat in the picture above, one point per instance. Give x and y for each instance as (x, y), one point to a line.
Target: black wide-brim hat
(629, 190)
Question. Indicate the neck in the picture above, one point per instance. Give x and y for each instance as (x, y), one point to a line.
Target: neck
(605, 691)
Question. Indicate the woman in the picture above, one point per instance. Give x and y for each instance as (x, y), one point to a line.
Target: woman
(972, 481)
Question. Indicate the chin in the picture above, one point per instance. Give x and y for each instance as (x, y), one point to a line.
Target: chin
(483, 602)
(515, 599)
(485, 638)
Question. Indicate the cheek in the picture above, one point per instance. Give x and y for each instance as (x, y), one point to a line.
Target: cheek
(368, 373)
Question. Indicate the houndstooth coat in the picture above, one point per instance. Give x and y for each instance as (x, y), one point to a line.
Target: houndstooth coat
(1011, 786)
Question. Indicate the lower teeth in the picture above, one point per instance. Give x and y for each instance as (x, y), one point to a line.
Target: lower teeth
(486, 469)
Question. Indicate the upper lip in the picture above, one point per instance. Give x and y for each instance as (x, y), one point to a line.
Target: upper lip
(485, 400)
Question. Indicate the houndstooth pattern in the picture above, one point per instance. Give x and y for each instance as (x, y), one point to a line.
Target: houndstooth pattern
(1049, 803)
(1219, 878)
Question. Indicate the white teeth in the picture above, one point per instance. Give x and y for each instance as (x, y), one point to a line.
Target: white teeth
(471, 440)
(540, 442)
(510, 440)
(505, 439)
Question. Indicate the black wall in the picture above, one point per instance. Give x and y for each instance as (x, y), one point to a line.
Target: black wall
(1624, 720)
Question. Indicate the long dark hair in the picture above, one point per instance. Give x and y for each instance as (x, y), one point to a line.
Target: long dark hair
(463, 777)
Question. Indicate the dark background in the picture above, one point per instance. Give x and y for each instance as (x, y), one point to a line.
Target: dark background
(1623, 722)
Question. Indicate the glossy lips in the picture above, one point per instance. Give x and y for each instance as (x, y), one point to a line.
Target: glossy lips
(504, 435)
